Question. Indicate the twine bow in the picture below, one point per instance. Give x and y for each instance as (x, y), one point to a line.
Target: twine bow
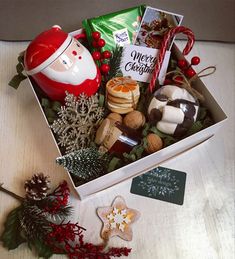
(187, 83)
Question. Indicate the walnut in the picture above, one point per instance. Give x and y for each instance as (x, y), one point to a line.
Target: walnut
(154, 143)
(115, 117)
(134, 120)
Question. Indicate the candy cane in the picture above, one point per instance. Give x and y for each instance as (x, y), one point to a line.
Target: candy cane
(164, 45)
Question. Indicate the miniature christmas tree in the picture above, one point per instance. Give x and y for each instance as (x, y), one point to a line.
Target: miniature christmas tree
(85, 164)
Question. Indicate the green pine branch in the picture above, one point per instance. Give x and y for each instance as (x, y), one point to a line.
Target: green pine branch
(115, 63)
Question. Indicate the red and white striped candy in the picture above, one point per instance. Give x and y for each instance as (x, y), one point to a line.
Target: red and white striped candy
(164, 45)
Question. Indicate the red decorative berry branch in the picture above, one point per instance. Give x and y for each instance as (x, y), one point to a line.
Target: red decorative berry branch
(186, 68)
(98, 43)
(40, 222)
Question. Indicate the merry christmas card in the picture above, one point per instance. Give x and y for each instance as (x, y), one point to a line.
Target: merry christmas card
(139, 63)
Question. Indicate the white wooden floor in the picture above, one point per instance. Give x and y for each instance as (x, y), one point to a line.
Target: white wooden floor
(202, 228)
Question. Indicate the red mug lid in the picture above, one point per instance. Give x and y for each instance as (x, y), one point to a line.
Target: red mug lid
(45, 48)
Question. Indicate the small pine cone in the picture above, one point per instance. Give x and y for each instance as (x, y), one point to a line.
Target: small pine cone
(37, 187)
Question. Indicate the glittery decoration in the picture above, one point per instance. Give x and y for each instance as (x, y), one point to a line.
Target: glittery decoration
(85, 164)
(117, 219)
(77, 121)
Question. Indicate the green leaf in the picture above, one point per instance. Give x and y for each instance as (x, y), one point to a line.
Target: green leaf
(21, 57)
(11, 236)
(56, 106)
(167, 139)
(202, 113)
(16, 80)
(19, 68)
(160, 134)
(197, 126)
(41, 248)
(113, 164)
(139, 151)
(207, 122)
(45, 102)
(101, 100)
(50, 114)
(145, 143)
(130, 157)
(146, 129)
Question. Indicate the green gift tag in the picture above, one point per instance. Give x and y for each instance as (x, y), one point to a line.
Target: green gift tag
(161, 183)
(117, 28)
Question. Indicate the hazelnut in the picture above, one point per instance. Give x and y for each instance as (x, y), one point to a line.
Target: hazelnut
(115, 117)
(154, 143)
(134, 120)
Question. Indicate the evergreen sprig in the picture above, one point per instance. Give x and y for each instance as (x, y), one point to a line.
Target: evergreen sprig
(115, 63)
(29, 223)
(33, 221)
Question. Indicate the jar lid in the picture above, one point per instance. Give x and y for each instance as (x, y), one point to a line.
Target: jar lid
(102, 131)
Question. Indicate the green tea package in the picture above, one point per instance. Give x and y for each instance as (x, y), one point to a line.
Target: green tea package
(117, 28)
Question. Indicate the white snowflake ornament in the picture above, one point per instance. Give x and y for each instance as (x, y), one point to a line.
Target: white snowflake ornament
(117, 219)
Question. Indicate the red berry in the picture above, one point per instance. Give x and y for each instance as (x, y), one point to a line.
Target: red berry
(167, 82)
(106, 54)
(101, 43)
(96, 55)
(104, 68)
(179, 78)
(96, 35)
(182, 63)
(95, 44)
(190, 72)
(195, 61)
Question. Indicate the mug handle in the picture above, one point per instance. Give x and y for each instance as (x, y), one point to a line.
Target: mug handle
(80, 36)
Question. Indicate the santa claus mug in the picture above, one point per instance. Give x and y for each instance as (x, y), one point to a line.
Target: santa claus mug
(58, 63)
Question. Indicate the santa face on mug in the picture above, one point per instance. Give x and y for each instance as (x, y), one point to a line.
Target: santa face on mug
(73, 66)
(59, 63)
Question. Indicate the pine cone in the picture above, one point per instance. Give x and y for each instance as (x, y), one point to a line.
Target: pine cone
(37, 187)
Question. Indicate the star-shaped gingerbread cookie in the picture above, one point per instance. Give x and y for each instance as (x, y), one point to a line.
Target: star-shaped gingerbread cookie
(117, 219)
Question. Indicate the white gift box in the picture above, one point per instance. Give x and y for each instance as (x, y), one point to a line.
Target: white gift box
(142, 165)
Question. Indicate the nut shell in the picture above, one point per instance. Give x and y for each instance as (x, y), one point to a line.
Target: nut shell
(115, 117)
(154, 143)
(134, 120)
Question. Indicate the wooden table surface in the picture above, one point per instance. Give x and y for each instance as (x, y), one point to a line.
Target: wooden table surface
(202, 228)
